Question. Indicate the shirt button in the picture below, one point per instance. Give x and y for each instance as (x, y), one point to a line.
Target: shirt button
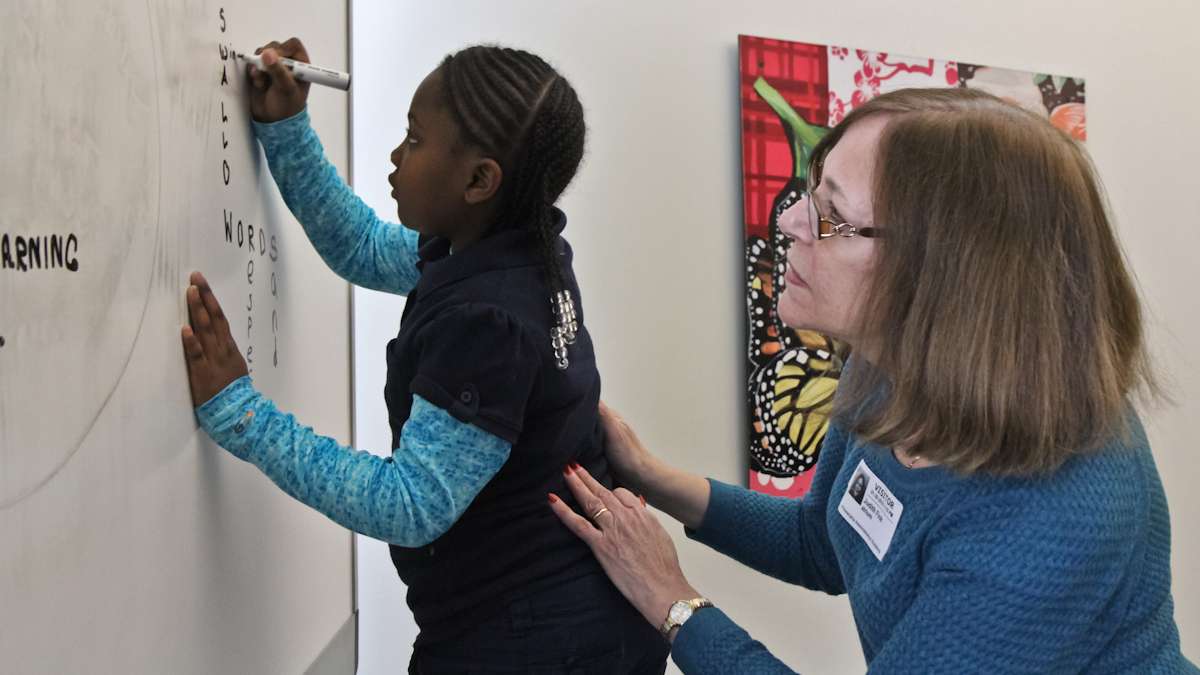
(465, 397)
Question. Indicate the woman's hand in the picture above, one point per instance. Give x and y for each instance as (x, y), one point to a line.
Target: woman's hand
(274, 94)
(213, 359)
(682, 495)
(630, 460)
(631, 545)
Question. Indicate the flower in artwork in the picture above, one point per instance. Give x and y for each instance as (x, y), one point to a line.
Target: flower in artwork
(1071, 118)
(837, 109)
(870, 62)
(866, 85)
(1015, 86)
(951, 74)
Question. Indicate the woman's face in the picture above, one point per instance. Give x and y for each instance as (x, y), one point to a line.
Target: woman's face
(825, 280)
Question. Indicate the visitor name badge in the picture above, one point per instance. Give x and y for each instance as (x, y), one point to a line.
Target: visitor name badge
(871, 509)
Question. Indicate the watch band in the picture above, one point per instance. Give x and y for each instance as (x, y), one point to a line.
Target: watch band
(670, 623)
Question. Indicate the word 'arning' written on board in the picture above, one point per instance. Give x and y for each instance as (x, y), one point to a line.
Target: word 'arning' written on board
(39, 252)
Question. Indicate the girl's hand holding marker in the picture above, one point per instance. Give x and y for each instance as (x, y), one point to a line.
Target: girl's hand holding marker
(280, 76)
(275, 94)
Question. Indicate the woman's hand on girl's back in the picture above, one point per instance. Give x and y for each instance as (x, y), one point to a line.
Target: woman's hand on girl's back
(630, 543)
(274, 94)
(630, 460)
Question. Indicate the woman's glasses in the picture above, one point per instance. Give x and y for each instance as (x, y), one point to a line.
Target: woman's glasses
(824, 227)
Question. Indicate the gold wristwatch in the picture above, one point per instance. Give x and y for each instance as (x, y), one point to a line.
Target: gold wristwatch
(682, 611)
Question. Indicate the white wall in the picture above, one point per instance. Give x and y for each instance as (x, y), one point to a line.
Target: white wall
(386, 629)
(656, 221)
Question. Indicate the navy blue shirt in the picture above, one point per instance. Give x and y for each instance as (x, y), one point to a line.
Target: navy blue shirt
(475, 340)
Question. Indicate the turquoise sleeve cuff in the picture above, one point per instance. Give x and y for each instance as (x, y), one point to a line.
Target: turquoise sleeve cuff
(291, 128)
(717, 517)
(783, 538)
(225, 417)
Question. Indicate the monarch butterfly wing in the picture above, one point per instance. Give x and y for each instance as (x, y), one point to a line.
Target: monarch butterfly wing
(792, 398)
(760, 306)
(760, 446)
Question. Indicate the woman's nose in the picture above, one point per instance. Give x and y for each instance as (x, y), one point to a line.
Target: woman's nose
(793, 222)
(396, 156)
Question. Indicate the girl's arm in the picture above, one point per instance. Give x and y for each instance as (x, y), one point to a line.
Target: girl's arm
(443, 461)
(409, 499)
(355, 243)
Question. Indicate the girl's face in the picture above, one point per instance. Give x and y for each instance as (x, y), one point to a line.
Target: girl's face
(433, 168)
(826, 280)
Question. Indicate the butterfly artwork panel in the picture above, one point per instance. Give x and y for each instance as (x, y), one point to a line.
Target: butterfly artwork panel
(791, 94)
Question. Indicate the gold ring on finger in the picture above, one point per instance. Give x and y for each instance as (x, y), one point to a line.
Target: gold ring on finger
(603, 509)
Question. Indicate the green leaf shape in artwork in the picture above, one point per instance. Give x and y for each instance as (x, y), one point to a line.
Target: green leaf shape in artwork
(802, 135)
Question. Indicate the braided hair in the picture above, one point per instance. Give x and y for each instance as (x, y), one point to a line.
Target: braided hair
(513, 105)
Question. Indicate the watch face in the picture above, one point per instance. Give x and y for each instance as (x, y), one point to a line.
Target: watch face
(680, 612)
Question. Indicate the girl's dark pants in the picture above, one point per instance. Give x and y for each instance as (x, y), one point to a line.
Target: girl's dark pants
(581, 627)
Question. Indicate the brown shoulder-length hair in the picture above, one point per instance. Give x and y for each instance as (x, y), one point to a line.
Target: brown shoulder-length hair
(1008, 326)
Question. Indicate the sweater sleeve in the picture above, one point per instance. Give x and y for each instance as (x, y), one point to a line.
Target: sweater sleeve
(785, 538)
(409, 499)
(356, 244)
(711, 643)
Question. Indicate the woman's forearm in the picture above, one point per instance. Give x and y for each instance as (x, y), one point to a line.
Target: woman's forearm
(678, 493)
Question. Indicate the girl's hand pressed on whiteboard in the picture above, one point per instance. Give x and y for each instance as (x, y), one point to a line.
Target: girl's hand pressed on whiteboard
(212, 357)
(274, 94)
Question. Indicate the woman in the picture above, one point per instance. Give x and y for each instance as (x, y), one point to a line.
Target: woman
(1006, 513)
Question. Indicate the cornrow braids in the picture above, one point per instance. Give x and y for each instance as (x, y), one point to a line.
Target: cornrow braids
(515, 106)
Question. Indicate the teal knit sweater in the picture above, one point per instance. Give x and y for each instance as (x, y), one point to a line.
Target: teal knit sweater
(1066, 574)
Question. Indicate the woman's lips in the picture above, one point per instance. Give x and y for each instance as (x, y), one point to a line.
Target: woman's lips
(792, 278)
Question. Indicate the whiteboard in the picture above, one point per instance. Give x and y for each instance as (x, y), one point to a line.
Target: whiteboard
(128, 541)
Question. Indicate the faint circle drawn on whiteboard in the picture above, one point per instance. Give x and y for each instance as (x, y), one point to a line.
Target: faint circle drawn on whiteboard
(82, 145)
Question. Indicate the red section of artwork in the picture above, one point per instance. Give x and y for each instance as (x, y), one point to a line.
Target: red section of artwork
(799, 72)
(797, 489)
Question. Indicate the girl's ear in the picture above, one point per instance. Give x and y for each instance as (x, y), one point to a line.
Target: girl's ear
(486, 176)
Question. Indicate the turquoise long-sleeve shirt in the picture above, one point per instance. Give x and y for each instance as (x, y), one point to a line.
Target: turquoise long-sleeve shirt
(415, 495)
(1066, 574)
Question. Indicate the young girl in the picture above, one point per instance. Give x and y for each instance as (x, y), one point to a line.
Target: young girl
(492, 386)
